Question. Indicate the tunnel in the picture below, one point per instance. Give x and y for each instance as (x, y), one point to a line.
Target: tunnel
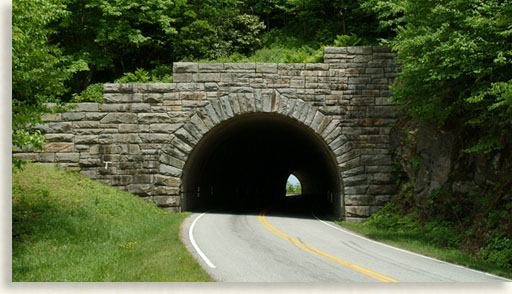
(243, 164)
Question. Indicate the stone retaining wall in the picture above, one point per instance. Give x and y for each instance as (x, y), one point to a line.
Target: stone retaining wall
(141, 136)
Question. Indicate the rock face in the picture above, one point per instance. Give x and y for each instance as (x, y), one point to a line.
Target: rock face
(435, 160)
(141, 137)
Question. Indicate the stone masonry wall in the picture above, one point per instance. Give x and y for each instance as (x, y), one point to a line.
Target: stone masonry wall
(141, 136)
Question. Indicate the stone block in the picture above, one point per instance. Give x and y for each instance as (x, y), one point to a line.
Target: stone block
(166, 201)
(90, 162)
(34, 157)
(354, 180)
(59, 137)
(143, 179)
(164, 190)
(317, 66)
(358, 200)
(358, 211)
(240, 67)
(155, 138)
(117, 118)
(56, 127)
(152, 98)
(161, 87)
(167, 181)
(183, 77)
(86, 107)
(87, 139)
(121, 180)
(170, 170)
(360, 50)
(121, 98)
(335, 50)
(48, 117)
(152, 118)
(67, 157)
(354, 190)
(46, 157)
(206, 77)
(378, 159)
(141, 107)
(211, 67)
(58, 147)
(266, 67)
(140, 189)
(126, 138)
(190, 67)
(71, 116)
(171, 160)
(381, 189)
(192, 96)
(164, 128)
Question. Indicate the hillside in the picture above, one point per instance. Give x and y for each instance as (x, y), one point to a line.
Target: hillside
(68, 228)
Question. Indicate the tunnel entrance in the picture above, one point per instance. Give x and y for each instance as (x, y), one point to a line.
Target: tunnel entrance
(244, 163)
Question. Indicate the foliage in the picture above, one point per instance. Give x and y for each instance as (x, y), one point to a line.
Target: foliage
(457, 63)
(93, 93)
(69, 228)
(293, 189)
(39, 70)
(116, 37)
(478, 226)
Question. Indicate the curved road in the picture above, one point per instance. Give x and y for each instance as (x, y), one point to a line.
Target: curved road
(267, 247)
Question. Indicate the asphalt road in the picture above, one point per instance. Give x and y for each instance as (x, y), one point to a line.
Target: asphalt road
(264, 246)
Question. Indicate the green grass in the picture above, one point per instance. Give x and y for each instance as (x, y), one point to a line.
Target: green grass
(69, 228)
(421, 242)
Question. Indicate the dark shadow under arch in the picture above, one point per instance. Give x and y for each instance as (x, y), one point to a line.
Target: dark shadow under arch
(243, 163)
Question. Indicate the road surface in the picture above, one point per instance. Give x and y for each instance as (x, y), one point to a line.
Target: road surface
(280, 247)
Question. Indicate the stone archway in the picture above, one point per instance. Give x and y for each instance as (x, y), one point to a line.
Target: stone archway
(144, 136)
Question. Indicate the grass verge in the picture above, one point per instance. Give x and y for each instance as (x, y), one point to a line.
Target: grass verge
(419, 241)
(69, 228)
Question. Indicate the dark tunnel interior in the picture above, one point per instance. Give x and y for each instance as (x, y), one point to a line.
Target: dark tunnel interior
(244, 163)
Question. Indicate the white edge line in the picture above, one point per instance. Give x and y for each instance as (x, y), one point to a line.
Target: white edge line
(406, 251)
(193, 241)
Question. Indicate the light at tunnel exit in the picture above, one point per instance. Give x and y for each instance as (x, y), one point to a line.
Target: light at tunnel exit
(293, 180)
(293, 186)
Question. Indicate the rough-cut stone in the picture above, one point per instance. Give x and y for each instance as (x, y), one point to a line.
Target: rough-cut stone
(179, 67)
(116, 118)
(166, 201)
(67, 157)
(58, 147)
(139, 189)
(152, 118)
(266, 67)
(360, 211)
(141, 138)
(170, 170)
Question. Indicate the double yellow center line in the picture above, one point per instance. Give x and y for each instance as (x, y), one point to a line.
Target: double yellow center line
(368, 272)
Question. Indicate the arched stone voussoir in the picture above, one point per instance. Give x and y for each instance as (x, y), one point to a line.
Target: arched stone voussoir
(226, 106)
(181, 144)
(199, 124)
(297, 110)
(217, 107)
(235, 105)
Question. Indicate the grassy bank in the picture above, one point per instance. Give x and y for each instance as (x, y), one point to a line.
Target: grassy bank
(432, 239)
(68, 228)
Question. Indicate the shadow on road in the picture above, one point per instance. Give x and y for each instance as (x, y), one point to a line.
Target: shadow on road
(294, 206)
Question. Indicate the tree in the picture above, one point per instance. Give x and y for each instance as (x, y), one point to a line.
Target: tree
(39, 69)
(456, 57)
